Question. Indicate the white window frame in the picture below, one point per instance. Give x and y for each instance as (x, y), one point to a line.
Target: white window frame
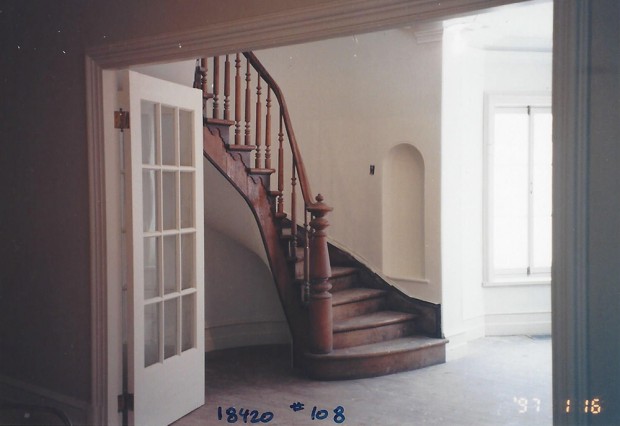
(492, 101)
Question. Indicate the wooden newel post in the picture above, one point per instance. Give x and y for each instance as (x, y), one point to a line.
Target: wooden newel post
(320, 304)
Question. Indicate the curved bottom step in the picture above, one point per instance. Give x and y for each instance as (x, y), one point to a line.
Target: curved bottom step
(377, 359)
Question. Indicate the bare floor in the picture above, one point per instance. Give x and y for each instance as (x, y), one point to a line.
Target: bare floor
(495, 381)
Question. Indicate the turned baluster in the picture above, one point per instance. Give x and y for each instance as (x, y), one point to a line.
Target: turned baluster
(238, 100)
(227, 88)
(293, 210)
(305, 297)
(268, 131)
(320, 304)
(203, 85)
(216, 87)
(248, 109)
(280, 170)
(257, 159)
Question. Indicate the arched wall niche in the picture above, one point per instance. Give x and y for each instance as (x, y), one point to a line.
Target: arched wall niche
(403, 213)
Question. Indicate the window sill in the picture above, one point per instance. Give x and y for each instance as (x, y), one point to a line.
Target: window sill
(518, 281)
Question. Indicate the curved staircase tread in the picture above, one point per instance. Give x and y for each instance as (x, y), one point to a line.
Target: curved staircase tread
(403, 344)
(371, 320)
(341, 271)
(358, 294)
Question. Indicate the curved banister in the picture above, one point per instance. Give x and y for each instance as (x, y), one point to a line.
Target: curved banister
(299, 164)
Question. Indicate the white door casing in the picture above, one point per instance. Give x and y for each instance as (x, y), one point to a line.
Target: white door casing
(165, 249)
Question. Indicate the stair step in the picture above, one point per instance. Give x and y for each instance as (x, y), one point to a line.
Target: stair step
(372, 328)
(372, 320)
(357, 301)
(352, 295)
(377, 359)
(343, 277)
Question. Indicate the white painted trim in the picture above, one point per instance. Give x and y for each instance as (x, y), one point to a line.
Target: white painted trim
(98, 258)
(527, 323)
(301, 25)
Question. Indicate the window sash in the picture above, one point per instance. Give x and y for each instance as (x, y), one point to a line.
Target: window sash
(508, 207)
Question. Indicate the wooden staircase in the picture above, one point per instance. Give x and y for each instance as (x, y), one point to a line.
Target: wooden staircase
(346, 322)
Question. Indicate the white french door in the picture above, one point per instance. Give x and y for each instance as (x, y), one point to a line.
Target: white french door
(165, 265)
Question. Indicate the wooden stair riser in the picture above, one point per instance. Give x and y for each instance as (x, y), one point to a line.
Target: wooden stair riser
(362, 367)
(361, 307)
(265, 179)
(222, 129)
(347, 339)
(343, 282)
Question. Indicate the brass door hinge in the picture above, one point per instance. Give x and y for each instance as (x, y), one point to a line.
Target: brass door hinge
(121, 119)
(125, 402)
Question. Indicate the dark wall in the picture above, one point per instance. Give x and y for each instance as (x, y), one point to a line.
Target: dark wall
(44, 274)
(604, 211)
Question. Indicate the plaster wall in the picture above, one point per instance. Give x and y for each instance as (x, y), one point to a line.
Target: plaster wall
(352, 100)
(461, 149)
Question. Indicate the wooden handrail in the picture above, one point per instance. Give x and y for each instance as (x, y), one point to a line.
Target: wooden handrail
(301, 169)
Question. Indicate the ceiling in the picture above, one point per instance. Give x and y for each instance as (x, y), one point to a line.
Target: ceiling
(524, 26)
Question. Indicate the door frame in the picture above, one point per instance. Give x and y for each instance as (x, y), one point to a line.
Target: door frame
(332, 19)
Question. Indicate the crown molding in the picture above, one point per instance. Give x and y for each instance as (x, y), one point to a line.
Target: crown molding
(303, 24)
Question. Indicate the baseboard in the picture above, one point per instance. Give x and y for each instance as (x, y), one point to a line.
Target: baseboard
(246, 334)
(468, 330)
(13, 390)
(536, 323)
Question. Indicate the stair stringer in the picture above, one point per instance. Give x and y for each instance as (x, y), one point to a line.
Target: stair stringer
(253, 191)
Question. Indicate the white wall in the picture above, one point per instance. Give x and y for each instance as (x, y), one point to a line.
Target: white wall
(242, 307)
(461, 216)
(469, 309)
(351, 100)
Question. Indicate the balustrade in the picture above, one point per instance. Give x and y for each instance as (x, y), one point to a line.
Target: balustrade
(315, 284)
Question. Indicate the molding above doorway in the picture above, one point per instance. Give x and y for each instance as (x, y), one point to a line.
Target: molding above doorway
(304, 24)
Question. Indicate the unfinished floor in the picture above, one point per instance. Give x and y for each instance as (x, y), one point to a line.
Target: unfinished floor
(494, 381)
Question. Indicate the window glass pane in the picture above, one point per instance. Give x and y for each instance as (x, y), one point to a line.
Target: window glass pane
(149, 132)
(168, 132)
(149, 199)
(187, 200)
(170, 327)
(541, 189)
(541, 256)
(170, 264)
(509, 193)
(151, 267)
(188, 243)
(189, 322)
(151, 334)
(186, 139)
(169, 200)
